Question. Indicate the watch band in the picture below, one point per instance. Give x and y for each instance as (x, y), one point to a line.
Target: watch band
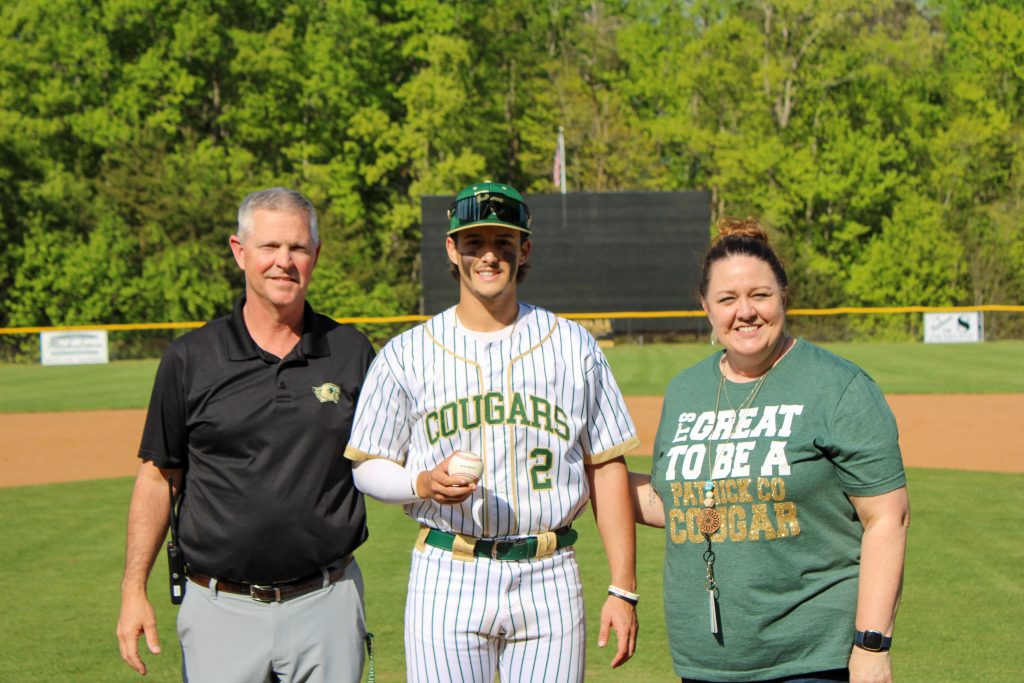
(872, 641)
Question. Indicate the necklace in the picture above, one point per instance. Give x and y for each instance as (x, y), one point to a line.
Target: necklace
(709, 521)
(724, 389)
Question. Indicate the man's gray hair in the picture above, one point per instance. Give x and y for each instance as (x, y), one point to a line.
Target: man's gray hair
(276, 199)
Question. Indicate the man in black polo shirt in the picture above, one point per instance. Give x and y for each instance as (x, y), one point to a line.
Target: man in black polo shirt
(249, 418)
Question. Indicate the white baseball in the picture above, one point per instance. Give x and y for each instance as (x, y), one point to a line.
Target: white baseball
(466, 465)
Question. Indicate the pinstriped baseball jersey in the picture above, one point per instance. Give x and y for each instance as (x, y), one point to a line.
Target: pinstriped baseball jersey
(536, 405)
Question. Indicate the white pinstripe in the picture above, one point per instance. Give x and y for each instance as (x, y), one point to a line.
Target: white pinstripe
(544, 389)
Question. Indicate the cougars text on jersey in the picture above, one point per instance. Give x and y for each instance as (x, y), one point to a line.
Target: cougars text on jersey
(470, 412)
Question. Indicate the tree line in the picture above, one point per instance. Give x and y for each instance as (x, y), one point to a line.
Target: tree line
(881, 140)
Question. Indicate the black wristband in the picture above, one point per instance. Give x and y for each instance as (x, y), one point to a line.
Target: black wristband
(872, 641)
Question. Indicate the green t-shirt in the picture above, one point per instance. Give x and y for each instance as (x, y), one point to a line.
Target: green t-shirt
(788, 551)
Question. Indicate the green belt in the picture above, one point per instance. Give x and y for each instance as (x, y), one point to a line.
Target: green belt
(518, 549)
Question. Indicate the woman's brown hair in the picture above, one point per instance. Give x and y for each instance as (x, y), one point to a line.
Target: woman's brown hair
(741, 237)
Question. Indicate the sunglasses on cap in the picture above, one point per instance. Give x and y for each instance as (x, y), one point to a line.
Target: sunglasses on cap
(480, 207)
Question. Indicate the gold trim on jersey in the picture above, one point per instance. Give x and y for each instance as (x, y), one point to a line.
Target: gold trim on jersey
(353, 453)
(613, 452)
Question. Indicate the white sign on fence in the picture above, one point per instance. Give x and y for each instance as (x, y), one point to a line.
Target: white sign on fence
(80, 347)
(952, 328)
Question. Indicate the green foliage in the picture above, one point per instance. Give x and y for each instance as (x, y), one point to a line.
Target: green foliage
(74, 280)
(915, 260)
(130, 130)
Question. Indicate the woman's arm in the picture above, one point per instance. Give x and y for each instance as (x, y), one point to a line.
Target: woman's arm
(647, 507)
(886, 519)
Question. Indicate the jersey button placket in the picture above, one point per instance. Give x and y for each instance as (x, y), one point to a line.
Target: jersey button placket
(504, 435)
(493, 367)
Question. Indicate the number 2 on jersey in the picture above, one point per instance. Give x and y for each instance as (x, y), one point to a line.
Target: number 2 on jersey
(540, 468)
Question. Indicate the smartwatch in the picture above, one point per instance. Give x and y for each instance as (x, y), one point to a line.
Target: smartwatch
(872, 641)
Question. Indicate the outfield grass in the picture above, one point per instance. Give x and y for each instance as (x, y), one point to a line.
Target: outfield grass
(61, 548)
(37, 388)
(900, 368)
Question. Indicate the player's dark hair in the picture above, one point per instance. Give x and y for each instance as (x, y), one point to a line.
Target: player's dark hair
(741, 237)
(520, 272)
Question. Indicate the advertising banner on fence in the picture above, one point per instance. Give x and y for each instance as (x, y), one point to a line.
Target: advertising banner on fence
(954, 328)
(78, 347)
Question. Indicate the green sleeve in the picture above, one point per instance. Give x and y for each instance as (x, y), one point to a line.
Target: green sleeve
(864, 442)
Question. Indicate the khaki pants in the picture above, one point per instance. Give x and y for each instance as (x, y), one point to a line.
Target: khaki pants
(319, 637)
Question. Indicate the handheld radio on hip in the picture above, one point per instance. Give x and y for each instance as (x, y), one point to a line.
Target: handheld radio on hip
(175, 558)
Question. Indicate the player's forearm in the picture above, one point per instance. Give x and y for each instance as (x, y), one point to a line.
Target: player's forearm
(882, 557)
(613, 513)
(385, 480)
(147, 524)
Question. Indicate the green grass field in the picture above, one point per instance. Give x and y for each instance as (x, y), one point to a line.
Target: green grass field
(61, 548)
(61, 545)
(900, 368)
(58, 388)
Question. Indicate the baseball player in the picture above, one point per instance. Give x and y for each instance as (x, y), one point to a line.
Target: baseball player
(494, 584)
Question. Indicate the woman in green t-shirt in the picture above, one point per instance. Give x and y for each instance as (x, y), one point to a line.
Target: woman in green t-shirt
(778, 479)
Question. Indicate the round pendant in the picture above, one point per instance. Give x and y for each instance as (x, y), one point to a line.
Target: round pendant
(709, 521)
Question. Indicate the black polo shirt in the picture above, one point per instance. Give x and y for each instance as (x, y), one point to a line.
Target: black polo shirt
(268, 495)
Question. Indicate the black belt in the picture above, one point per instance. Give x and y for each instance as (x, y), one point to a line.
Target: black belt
(517, 549)
(272, 592)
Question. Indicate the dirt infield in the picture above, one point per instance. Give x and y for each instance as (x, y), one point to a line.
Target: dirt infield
(967, 432)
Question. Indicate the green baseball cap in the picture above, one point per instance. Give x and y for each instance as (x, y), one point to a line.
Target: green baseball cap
(488, 203)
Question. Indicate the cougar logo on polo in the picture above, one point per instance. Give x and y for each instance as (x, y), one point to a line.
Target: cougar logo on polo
(327, 392)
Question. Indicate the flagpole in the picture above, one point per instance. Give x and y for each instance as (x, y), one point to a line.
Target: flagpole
(561, 156)
(560, 173)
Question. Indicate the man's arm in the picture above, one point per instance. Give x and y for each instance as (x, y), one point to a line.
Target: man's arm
(885, 519)
(613, 512)
(147, 527)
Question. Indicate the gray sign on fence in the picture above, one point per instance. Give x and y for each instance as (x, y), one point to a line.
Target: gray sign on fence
(78, 347)
(953, 328)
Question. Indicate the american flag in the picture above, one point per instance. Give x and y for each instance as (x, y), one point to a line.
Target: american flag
(558, 168)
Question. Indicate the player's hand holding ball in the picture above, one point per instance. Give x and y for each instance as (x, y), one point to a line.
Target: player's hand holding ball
(466, 466)
(453, 480)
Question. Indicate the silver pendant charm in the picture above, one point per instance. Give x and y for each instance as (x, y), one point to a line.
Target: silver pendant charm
(713, 612)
